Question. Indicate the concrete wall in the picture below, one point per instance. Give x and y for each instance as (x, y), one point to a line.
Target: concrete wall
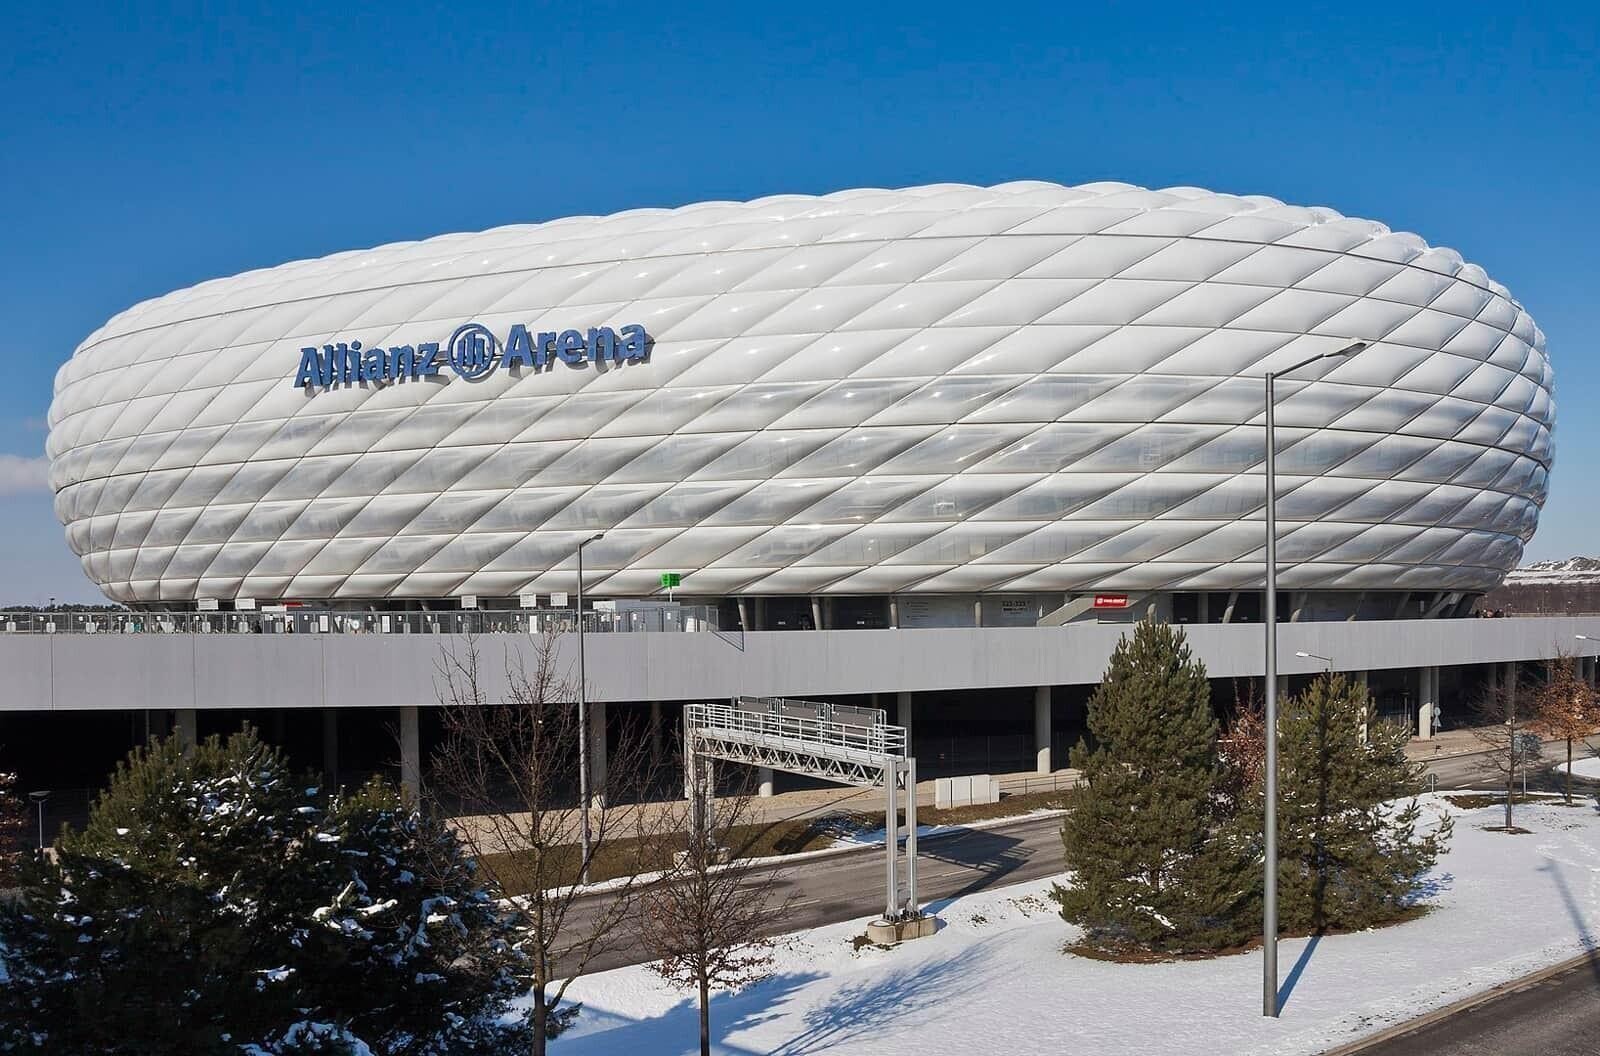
(86, 672)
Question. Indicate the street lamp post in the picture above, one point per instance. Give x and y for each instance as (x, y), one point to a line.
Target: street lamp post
(1269, 832)
(583, 724)
(39, 798)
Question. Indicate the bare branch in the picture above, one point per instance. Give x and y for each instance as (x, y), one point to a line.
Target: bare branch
(709, 919)
(508, 769)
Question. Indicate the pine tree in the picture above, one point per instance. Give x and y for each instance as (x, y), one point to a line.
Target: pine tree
(16, 832)
(1154, 864)
(215, 901)
(1353, 845)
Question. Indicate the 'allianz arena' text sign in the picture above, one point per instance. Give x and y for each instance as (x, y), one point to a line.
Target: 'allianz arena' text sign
(472, 352)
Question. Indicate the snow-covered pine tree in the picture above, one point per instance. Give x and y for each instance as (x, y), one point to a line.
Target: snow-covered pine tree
(15, 830)
(212, 903)
(1353, 841)
(146, 932)
(1154, 865)
(403, 946)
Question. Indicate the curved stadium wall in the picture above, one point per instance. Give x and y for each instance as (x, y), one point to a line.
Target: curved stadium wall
(943, 389)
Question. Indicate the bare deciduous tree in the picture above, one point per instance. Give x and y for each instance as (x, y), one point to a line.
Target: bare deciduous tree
(1502, 728)
(1242, 747)
(508, 767)
(709, 918)
(1564, 709)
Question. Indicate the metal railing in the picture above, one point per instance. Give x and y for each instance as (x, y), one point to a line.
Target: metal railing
(824, 726)
(673, 618)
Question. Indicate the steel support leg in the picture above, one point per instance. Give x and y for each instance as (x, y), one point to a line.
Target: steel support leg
(911, 836)
(891, 841)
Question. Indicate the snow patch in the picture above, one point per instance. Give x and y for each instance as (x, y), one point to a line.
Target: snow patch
(1589, 768)
(995, 977)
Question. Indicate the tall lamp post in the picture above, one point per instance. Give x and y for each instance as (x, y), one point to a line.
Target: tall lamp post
(583, 722)
(39, 798)
(1269, 922)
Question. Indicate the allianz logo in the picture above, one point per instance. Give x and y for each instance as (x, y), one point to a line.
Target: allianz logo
(473, 352)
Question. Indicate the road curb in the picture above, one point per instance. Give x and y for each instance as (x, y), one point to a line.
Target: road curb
(1495, 992)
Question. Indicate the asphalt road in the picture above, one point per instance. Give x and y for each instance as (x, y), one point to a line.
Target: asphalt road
(851, 886)
(1558, 1016)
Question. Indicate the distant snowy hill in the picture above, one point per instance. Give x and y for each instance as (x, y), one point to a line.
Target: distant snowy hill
(1571, 586)
(1572, 570)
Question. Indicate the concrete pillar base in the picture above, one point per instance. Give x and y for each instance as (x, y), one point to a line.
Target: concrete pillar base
(763, 782)
(890, 932)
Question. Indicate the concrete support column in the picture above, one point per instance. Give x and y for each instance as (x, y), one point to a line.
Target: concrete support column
(816, 613)
(410, 754)
(157, 723)
(1508, 684)
(902, 713)
(655, 733)
(186, 725)
(597, 750)
(1427, 698)
(330, 748)
(764, 782)
(744, 614)
(1041, 729)
(977, 611)
(894, 611)
(1360, 679)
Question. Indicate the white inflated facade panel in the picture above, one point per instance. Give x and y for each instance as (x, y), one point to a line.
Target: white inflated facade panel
(1027, 387)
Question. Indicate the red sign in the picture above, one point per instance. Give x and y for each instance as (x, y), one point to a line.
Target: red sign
(1110, 601)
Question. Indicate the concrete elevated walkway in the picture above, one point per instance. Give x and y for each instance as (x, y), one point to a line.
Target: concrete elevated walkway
(89, 672)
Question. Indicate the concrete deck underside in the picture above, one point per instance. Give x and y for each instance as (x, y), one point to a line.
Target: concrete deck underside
(90, 672)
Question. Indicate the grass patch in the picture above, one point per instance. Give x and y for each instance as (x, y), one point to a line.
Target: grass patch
(623, 856)
(1138, 955)
(861, 942)
(1477, 800)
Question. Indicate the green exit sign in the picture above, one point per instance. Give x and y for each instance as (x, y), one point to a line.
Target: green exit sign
(671, 579)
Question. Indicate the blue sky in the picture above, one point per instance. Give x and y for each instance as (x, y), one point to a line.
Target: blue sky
(148, 149)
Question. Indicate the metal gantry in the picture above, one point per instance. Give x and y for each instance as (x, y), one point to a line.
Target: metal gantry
(834, 742)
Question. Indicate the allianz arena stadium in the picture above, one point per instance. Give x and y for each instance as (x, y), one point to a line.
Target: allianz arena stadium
(1018, 394)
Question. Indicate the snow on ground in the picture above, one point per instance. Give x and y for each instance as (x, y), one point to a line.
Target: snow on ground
(1589, 768)
(995, 979)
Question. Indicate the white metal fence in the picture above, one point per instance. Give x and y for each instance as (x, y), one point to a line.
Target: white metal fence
(823, 726)
(683, 618)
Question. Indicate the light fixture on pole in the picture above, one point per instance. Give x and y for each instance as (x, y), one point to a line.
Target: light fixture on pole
(1317, 656)
(1269, 833)
(583, 725)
